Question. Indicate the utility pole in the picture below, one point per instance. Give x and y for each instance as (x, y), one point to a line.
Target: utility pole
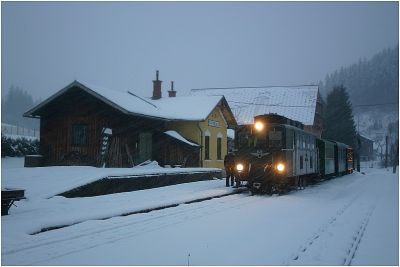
(386, 152)
(395, 158)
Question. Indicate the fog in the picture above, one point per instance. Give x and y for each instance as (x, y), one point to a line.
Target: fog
(120, 45)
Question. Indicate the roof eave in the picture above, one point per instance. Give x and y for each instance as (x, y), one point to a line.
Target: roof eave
(31, 113)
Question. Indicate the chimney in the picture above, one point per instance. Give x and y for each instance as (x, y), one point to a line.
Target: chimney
(156, 88)
(172, 93)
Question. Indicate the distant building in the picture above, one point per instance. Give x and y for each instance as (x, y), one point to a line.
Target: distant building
(86, 125)
(366, 148)
(299, 103)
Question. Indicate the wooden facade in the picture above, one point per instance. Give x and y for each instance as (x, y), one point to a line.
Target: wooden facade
(130, 144)
(172, 152)
(72, 124)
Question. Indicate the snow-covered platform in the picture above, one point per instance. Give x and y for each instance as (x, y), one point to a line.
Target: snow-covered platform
(46, 182)
(128, 183)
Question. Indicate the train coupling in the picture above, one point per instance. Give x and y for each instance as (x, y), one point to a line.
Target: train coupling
(257, 185)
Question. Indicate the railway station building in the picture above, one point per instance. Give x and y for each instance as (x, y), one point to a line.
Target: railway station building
(83, 124)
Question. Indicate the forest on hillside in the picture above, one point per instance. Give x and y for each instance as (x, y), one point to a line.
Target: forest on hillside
(14, 105)
(373, 89)
(369, 82)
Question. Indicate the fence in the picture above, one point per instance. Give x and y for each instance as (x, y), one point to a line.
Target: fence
(8, 129)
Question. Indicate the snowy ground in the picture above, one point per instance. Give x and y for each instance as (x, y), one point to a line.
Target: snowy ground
(46, 182)
(352, 219)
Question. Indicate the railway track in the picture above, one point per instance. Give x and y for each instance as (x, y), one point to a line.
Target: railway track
(357, 238)
(112, 228)
(323, 241)
(161, 207)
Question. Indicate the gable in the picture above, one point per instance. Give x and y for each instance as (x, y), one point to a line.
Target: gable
(171, 108)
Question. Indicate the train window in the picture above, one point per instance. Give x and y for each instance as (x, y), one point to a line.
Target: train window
(256, 142)
(289, 139)
(329, 151)
(301, 162)
(294, 140)
(244, 138)
(275, 138)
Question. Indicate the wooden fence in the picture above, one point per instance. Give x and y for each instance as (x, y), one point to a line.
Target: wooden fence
(8, 129)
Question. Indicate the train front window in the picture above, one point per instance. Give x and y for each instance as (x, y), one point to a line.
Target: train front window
(275, 139)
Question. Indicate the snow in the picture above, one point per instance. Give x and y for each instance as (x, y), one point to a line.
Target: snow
(351, 219)
(191, 108)
(46, 182)
(294, 102)
(108, 131)
(196, 108)
(17, 136)
(179, 137)
(231, 133)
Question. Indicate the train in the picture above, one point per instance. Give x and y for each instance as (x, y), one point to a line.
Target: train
(274, 153)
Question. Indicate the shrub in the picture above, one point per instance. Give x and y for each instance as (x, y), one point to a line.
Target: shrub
(19, 147)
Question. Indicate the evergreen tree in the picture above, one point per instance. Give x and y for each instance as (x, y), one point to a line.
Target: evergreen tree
(15, 104)
(371, 81)
(338, 117)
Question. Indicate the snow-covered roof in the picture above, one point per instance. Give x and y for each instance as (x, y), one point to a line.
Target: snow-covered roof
(192, 108)
(179, 137)
(168, 108)
(294, 102)
(365, 137)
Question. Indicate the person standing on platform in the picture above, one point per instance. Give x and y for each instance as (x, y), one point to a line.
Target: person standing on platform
(229, 163)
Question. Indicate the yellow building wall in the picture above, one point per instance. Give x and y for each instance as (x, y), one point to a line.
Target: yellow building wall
(215, 125)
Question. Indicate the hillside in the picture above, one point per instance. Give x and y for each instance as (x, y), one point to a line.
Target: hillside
(373, 87)
(369, 82)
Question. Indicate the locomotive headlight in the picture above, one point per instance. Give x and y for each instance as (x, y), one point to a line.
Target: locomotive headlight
(239, 167)
(280, 167)
(259, 126)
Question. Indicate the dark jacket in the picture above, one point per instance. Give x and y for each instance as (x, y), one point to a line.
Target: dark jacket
(229, 161)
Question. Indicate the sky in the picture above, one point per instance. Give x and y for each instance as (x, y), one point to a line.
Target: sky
(120, 45)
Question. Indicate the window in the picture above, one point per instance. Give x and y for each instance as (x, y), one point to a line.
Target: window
(207, 147)
(301, 162)
(289, 139)
(275, 139)
(79, 135)
(311, 162)
(219, 147)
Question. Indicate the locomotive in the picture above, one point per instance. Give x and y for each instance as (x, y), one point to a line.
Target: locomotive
(274, 152)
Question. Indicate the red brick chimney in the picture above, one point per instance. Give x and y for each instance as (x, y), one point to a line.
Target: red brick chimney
(172, 93)
(156, 88)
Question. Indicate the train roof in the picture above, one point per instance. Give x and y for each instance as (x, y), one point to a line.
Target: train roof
(341, 144)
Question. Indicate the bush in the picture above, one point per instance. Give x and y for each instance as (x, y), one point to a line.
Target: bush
(18, 147)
